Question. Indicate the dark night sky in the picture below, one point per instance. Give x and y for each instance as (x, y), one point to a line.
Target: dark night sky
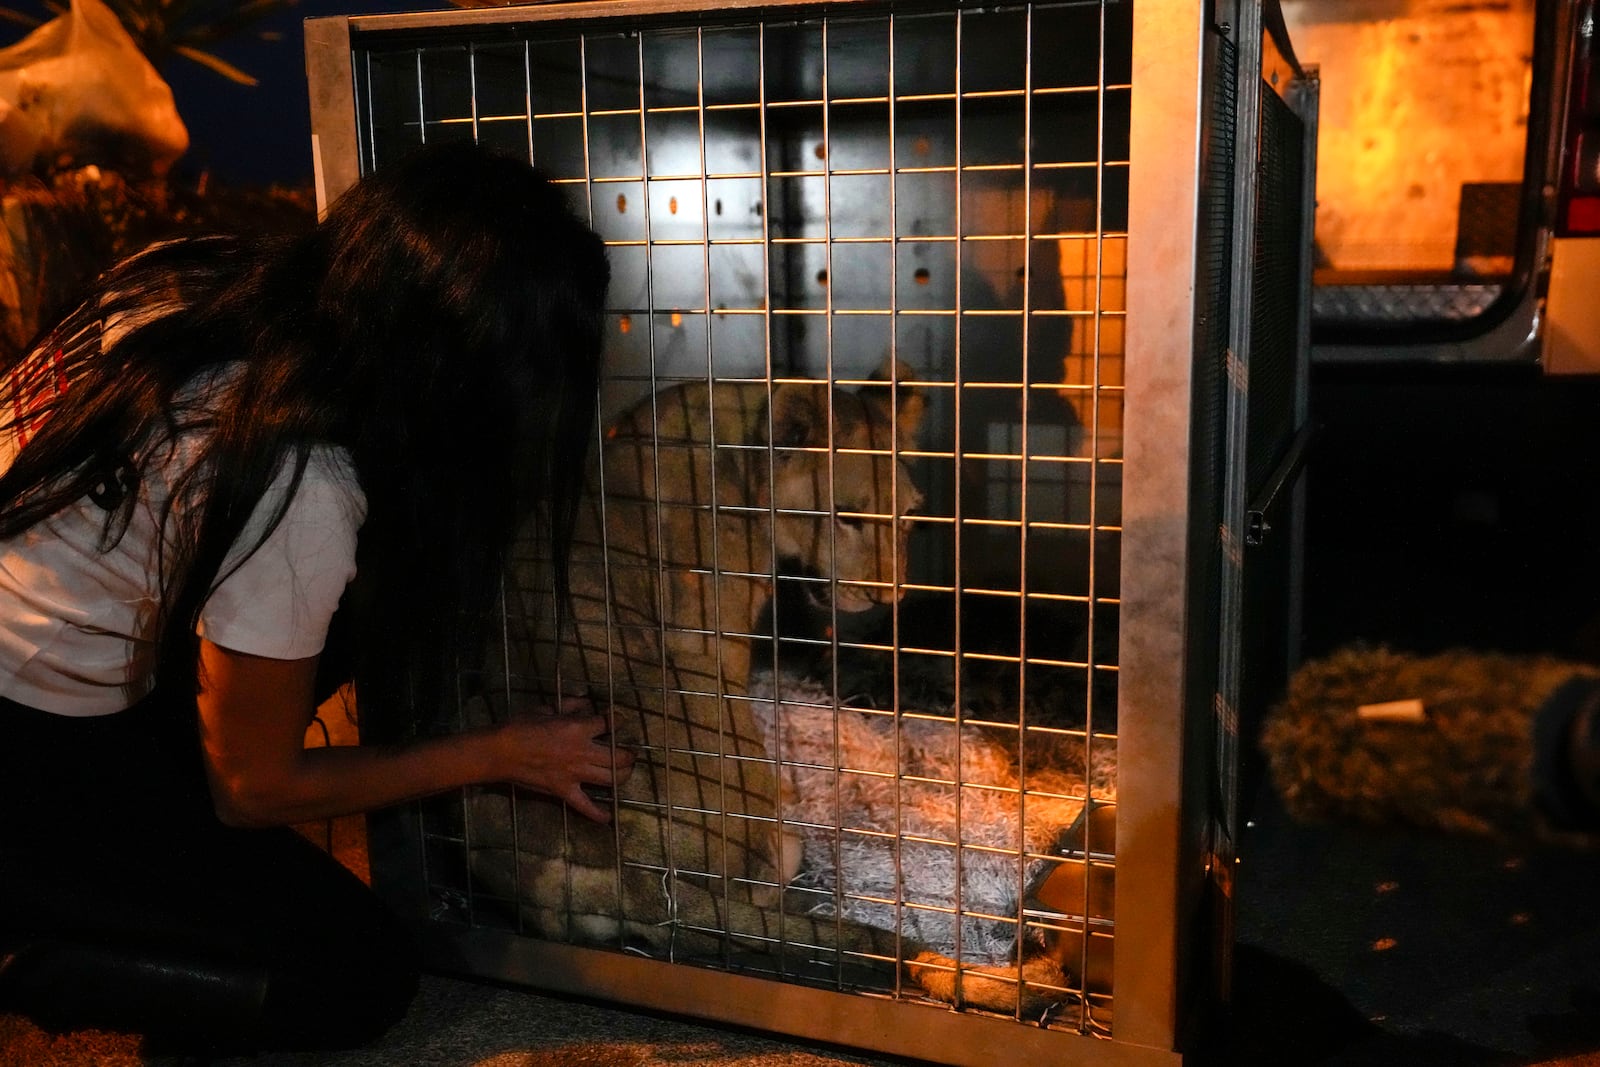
(260, 134)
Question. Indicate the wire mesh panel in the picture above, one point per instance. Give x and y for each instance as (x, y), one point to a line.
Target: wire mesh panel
(849, 573)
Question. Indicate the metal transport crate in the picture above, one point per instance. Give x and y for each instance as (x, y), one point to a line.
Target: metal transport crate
(945, 543)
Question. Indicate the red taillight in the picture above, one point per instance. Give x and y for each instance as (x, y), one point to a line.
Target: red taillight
(1582, 216)
(1578, 212)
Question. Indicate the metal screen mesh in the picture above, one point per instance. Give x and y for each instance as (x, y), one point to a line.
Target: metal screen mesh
(791, 207)
(1275, 309)
(1276, 383)
(1214, 380)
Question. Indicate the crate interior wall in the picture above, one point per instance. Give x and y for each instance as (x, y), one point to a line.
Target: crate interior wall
(1012, 766)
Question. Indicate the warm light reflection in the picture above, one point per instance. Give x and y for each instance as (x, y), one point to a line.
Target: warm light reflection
(1419, 97)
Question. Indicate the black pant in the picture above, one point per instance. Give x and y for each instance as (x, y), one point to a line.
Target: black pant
(108, 838)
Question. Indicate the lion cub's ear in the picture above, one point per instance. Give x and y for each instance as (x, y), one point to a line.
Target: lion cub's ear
(908, 401)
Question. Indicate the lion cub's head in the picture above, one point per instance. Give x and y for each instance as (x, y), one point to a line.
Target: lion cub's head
(842, 493)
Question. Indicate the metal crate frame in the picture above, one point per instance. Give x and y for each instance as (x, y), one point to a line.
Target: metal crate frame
(1197, 491)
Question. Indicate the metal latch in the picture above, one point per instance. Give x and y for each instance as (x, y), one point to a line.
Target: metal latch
(1256, 526)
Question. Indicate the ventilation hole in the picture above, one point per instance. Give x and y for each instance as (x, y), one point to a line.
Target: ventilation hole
(822, 151)
(923, 146)
(719, 207)
(622, 204)
(922, 276)
(625, 324)
(1022, 273)
(677, 318)
(672, 206)
(822, 277)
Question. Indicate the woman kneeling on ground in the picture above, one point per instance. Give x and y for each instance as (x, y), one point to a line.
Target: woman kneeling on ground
(236, 477)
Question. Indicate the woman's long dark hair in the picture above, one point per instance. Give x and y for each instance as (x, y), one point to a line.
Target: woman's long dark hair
(443, 325)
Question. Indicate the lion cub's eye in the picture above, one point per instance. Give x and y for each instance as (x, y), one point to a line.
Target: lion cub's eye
(852, 521)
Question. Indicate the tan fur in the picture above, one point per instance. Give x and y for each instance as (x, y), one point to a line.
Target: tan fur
(1034, 988)
(665, 584)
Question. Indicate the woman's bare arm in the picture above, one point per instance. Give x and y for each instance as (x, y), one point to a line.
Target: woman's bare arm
(253, 715)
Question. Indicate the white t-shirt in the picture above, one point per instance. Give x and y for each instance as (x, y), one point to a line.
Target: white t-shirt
(77, 625)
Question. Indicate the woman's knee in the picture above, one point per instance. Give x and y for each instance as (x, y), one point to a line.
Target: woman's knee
(341, 1004)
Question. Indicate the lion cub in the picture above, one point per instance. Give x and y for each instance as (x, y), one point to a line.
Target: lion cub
(699, 492)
